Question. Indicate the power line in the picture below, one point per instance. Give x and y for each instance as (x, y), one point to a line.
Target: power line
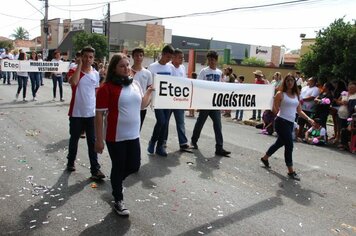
(296, 2)
(18, 17)
(89, 4)
(35, 7)
(79, 10)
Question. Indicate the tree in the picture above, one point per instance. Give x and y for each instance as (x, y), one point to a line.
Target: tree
(152, 50)
(20, 33)
(253, 61)
(97, 41)
(6, 44)
(333, 56)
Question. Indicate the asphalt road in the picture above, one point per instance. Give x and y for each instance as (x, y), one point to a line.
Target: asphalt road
(184, 194)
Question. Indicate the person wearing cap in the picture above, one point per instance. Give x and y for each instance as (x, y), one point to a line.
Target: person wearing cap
(307, 96)
(258, 80)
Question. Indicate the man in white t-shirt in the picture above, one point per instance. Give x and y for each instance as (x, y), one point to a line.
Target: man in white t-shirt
(210, 73)
(84, 80)
(141, 75)
(160, 67)
(7, 56)
(179, 71)
(307, 96)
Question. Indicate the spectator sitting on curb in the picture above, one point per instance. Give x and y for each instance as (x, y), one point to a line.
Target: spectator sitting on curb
(316, 134)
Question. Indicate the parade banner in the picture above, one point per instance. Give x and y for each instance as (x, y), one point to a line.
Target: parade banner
(34, 66)
(183, 93)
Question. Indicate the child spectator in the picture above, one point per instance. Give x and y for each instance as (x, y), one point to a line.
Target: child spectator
(316, 134)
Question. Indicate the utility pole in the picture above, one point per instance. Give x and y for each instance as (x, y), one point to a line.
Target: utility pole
(108, 29)
(45, 27)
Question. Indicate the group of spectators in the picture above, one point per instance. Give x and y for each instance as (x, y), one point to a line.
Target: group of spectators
(320, 101)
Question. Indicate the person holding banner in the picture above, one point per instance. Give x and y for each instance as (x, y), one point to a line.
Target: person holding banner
(22, 78)
(119, 102)
(57, 78)
(141, 75)
(160, 67)
(34, 77)
(285, 106)
(179, 71)
(210, 73)
(83, 80)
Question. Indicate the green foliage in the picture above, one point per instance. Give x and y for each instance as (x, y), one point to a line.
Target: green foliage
(20, 33)
(246, 53)
(333, 56)
(152, 50)
(97, 41)
(6, 44)
(253, 61)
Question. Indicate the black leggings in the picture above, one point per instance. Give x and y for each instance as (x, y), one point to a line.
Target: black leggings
(126, 159)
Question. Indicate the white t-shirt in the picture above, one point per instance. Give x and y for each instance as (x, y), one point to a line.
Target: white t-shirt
(210, 75)
(144, 78)
(8, 56)
(83, 99)
(55, 60)
(307, 92)
(156, 68)
(180, 71)
(123, 104)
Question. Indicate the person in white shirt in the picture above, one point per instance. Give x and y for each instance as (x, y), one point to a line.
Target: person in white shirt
(179, 71)
(22, 78)
(84, 81)
(7, 74)
(160, 67)
(141, 75)
(57, 78)
(307, 96)
(210, 73)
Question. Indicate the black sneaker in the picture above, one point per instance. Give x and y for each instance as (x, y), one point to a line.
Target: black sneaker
(97, 175)
(222, 152)
(70, 167)
(294, 176)
(185, 147)
(266, 163)
(120, 208)
(194, 145)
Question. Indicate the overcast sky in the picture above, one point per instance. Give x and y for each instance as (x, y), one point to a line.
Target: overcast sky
(265, 26)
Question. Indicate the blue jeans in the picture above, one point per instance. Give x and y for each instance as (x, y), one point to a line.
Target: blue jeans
(76, 126)
(215, 116)
(284, 129)
(239, 114)
(126, 159)
(6, 75)
(35, 82)
(159, 131)
(180, 126)
(22, 82)
(57, 79)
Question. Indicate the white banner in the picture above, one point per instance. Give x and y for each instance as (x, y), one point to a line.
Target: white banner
(34, 66)
(182, 93)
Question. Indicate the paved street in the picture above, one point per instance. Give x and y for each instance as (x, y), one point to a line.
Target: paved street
(184, 194)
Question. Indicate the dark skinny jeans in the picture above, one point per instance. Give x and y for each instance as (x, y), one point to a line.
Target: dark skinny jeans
(22, 82)
(57, 79)
(284, 129)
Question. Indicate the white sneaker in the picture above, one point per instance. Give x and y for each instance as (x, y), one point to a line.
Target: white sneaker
(34, 99)
(24, 100)
(54, 99)
(120, 208)
(17, 96)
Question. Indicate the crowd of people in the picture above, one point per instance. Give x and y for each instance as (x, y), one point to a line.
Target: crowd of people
(109, 103)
